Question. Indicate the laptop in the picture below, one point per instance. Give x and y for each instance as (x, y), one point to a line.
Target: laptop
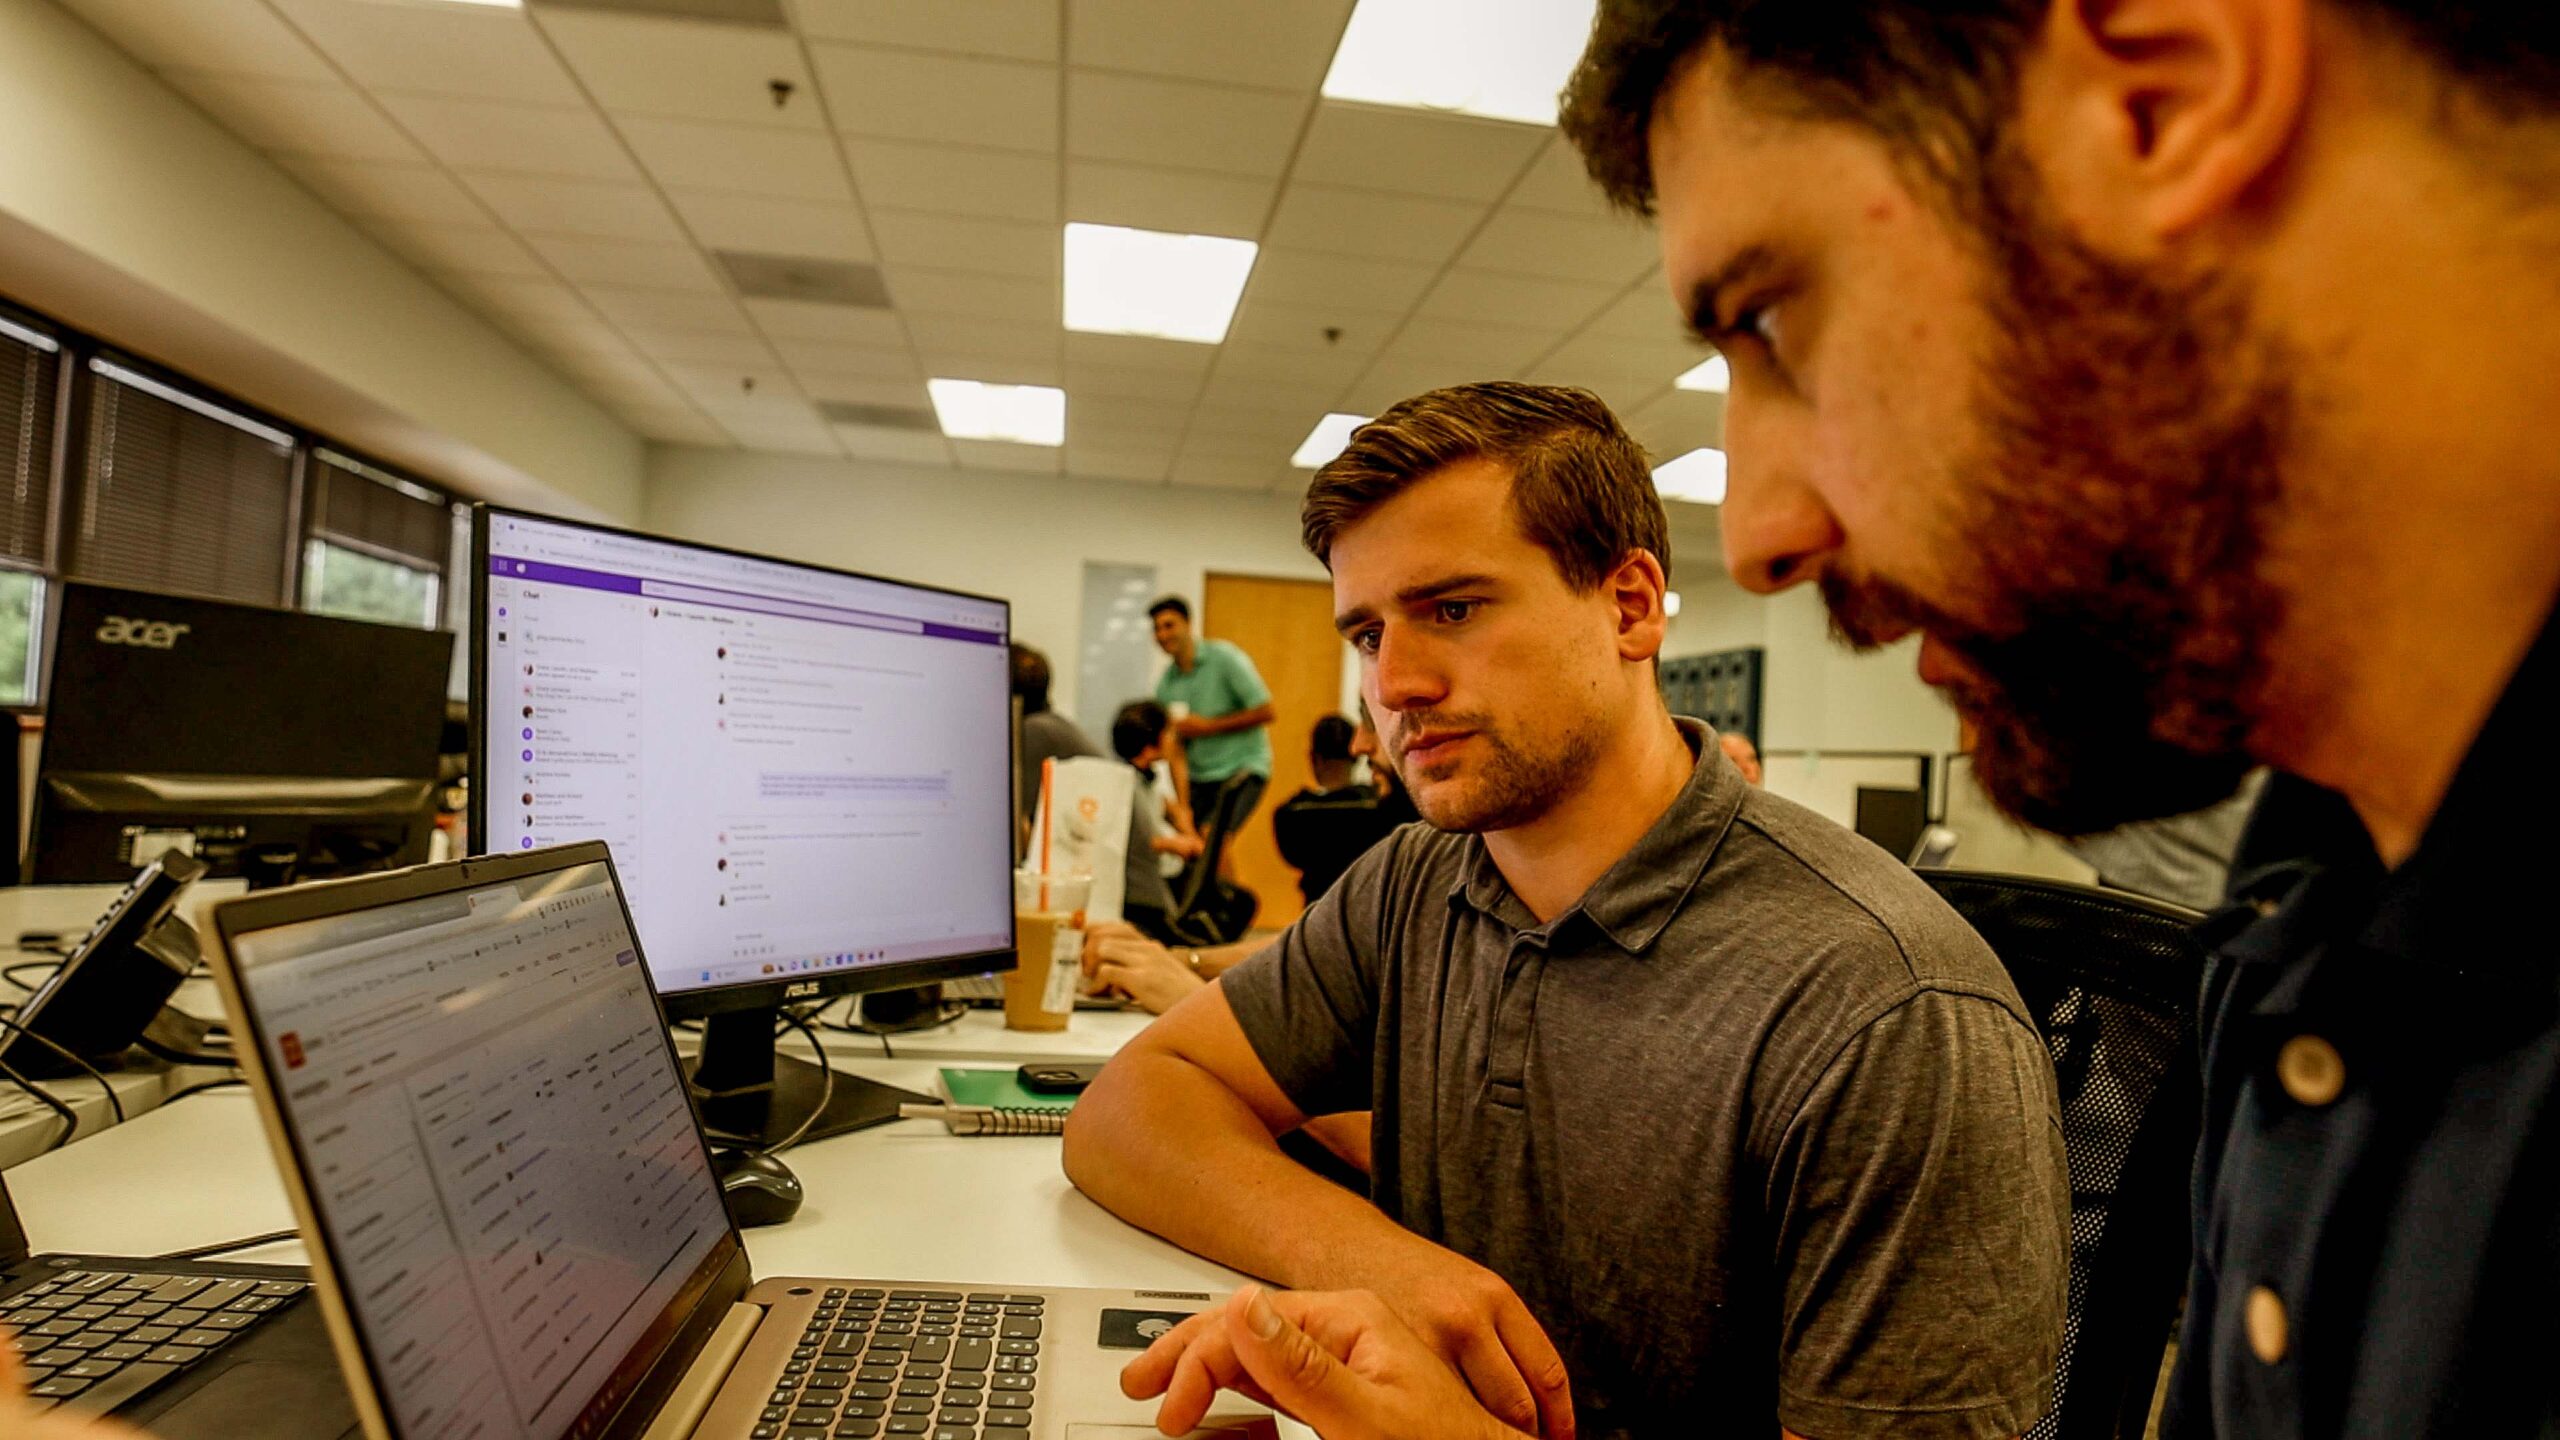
(513, 1223)
(195, 1351)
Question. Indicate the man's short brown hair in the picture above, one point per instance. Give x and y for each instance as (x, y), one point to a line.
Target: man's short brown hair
(1581, 487)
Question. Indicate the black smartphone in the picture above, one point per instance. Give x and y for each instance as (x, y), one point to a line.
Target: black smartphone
(98, 1001)
(1056, 1077)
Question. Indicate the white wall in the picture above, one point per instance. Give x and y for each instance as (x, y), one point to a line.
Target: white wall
(126, 211)
(1023, 537)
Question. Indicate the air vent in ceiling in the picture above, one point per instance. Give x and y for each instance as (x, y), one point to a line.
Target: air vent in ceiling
(884, 417)
(795, 277)
(731, 12)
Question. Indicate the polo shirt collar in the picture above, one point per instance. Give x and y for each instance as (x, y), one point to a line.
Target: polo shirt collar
(1635, 898)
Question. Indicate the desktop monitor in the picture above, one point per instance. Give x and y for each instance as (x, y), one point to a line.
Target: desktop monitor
(268, 744)
(804, 775)
(1892, 817)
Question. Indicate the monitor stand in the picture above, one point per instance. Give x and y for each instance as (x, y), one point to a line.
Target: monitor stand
(748, 1094)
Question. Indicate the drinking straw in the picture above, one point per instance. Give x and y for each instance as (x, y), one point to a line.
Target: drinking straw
(1048, 822)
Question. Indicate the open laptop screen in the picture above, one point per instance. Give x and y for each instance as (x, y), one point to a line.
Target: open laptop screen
(496, 1142)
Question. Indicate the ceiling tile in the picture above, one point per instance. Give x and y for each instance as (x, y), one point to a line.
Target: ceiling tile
(996, 455)
(1533, 242)
(471, 249)
(1030, 303)
(1283, 46)
(1181, 123)
(1677, 422)
(864, 362)
(1315, 279)
(1645, 313)
(994, 369)
(1308, 394)
(235, 37)
(646, 65)
(668, 309)
(1185, 202)
(1160, 441)
(1413, 152)
(1008, 339)
(949, 180)
(1404, 377)
(798, 436)
(707, 347)
(950, 99)
(1007, 29)
(637, 265)
(1370, 222)
(996, 247)
(1560, 306)
(570, 336)
(835, 324)
(524, 139)
(298, 118)
(759, 392)
(534, 205)
(1138, 352)
(398, 192)
(1133, 466)
(1100, 414)
(745, 159)
(481, 52)
(1226, 472)
(1557, 182)
(854, 389)
(1491, 351)
(819, 230)
(1261, 428)
(673, 427)
(1290, 327)
(869, 442)
(1626, 388)
(1092, 378)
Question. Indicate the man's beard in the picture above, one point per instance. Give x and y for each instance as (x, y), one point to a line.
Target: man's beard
(1507, 787)
(2108, 540)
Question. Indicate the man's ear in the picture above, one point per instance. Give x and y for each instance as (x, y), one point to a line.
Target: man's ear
(2151, 118)
(1635, 591)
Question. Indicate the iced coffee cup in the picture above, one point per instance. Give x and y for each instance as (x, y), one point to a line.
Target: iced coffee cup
(1048, 949)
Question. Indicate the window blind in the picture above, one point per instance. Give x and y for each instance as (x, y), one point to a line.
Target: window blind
(386, 517)
(181, 494)
(30, 376)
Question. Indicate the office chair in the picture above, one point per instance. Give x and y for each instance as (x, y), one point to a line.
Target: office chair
(2112, 981)
(1208, 906)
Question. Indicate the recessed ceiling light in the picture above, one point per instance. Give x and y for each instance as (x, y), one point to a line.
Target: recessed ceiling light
(1146, 282)
(1713, 374)
(1023, 414)
(1326, 440)
(1697, 477)
(1502, 59)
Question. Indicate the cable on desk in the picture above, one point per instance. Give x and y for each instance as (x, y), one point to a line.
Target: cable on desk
(10, 973)
(113, 1104)
(70, 1121)
(178, 1095)
(826, 1082)
(250, 1242)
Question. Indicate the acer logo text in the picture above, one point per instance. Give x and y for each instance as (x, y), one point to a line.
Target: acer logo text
(149, 634)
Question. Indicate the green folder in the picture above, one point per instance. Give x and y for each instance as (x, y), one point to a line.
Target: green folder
(999, 1088)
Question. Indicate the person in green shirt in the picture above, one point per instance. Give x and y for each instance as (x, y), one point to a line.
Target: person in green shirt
(1222, 713)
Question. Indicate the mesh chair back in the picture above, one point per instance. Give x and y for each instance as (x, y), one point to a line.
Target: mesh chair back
(2112, 981)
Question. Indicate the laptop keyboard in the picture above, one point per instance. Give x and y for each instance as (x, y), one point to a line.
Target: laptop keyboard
(937, 1363)
(93, 1339)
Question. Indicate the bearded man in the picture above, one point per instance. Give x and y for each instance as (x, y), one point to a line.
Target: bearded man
(1694, 1113)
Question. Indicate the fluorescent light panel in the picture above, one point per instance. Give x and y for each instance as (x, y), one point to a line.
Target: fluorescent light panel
(1714, 375)
(1147, 282)
(1022, 414)
(1697, 477)
(1501, 59)
(1326, 440)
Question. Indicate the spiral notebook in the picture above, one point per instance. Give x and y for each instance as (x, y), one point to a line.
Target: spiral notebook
(1001, 1089)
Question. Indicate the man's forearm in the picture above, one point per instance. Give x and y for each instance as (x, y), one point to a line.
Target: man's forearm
(1163, 1145)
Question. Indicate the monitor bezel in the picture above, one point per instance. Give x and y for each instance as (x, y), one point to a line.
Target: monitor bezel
(759, 994)
(721, 1279)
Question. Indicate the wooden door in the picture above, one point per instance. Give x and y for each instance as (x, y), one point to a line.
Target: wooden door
(1287, 627)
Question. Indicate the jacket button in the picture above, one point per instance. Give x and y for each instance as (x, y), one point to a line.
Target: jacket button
(2311, 1070)
(2265, 1322)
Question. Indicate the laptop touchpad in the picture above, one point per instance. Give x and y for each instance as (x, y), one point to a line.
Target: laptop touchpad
(271, 1399)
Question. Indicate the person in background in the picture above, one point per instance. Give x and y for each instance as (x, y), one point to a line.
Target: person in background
(1393, 803)
(2183, 859)
(1221, 714)
(1329, 824)
(1737, 747)
(1141, 734)
(1046, 734)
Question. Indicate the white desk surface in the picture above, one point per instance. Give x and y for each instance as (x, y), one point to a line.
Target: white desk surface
(980, 1037)
(902, 1201)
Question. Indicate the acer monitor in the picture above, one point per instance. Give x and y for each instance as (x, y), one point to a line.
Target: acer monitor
(267, 744)
(804, 775)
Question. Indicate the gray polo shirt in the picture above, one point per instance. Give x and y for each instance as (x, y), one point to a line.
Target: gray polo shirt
(1758, 1129)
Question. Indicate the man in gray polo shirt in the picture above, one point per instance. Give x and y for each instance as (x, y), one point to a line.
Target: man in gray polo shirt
(1694, 1113)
